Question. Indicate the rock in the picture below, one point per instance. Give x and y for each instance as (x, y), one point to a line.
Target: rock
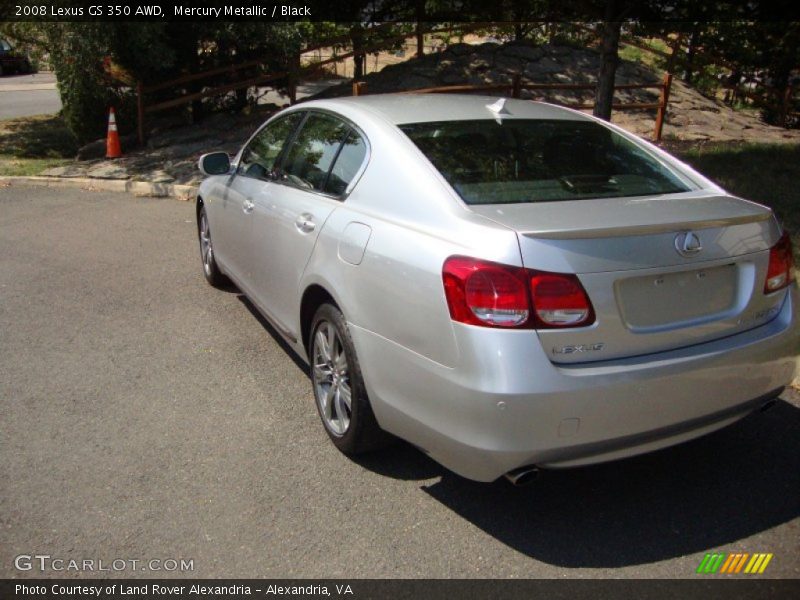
(196, 148)
(66, 171)
(108, 170)
(178, 136)
(545, 65)
(523, 51)
(479, 63)
(160, 176)
(459, 49)
(453, 76)
(414, 82)
(95, 149)
(508, 64)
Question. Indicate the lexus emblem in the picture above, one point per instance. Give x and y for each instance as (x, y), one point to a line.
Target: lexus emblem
(687, 243)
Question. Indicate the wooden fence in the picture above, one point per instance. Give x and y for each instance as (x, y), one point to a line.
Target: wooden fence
(515, 87)
(295, 72)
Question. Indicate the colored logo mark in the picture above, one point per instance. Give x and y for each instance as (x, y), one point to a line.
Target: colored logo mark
(734, 563)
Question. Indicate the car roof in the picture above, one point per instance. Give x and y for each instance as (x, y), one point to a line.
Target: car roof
(425, 108)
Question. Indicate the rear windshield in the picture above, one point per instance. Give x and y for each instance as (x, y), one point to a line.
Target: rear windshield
(516, 160)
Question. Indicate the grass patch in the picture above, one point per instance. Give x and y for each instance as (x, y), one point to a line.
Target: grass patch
(11, 165)
(30, 145)
(765, 173)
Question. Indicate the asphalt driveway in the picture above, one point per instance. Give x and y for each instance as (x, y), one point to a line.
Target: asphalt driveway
(146, 415)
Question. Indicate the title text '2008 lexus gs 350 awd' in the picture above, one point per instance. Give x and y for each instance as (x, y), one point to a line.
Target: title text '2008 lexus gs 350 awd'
(505, 284)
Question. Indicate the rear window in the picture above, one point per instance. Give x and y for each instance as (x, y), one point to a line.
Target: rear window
(520, 160)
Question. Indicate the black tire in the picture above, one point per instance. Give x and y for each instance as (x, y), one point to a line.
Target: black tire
(211, 270)
(362, 432)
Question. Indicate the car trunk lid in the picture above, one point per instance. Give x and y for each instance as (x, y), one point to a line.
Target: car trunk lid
(662, 272)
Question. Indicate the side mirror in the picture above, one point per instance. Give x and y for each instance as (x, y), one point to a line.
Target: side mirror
(214, 163)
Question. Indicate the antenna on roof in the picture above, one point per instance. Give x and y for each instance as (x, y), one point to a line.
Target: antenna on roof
(499, 109)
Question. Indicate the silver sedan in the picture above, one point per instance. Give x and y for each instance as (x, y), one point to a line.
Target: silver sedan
(505, 284)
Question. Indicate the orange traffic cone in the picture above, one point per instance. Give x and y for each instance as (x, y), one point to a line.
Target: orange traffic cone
(113, 148)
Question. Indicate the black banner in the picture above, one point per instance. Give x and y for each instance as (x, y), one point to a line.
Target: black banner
(372, 11)
(702, 588)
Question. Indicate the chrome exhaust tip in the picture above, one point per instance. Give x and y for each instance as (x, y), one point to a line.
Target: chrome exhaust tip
(522, 476)
(767, 405)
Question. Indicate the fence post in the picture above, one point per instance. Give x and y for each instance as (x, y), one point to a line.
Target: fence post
(516, 86)
(359, 88)
(140, 113)
(662, 108)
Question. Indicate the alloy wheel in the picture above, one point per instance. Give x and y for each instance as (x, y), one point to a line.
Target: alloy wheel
(206, 251)
(330, 373)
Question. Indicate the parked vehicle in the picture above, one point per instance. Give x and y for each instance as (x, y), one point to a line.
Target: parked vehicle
(12, 61)
(505, 284)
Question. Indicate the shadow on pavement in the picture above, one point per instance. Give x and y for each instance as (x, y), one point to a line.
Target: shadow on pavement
(274, 333)
(690, 498)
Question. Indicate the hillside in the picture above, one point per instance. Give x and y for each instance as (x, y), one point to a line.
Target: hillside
(691, 116)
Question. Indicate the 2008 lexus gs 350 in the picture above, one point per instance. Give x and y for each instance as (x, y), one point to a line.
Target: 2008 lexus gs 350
(504, 284)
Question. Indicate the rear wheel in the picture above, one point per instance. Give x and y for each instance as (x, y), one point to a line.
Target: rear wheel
(210, 269)
(339, 391)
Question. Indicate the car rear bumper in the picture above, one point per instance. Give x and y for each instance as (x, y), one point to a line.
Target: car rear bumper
(506, 405)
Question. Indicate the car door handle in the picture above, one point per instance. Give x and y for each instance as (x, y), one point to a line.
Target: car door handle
(248, 205)
(305, 223)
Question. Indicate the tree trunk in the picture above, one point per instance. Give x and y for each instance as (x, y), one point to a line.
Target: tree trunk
(420, 10)
(609, 57)
(357, 39)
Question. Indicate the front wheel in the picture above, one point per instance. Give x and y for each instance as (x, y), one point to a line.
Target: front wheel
(339, 391)
(210, 269)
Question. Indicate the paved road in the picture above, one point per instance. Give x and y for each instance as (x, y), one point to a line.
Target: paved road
(147, 415)
(26, 95)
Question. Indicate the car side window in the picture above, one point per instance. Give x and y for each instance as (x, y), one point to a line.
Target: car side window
(259, 158)
(351, 157)
(312, 153)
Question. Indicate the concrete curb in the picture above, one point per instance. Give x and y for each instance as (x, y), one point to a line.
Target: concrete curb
(137, 188)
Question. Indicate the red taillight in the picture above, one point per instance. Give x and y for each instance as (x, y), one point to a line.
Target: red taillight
(780, 272)
(485, 293)
(559, 300)
(493, 295)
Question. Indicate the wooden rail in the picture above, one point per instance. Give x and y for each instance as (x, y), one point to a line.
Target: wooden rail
(515, 87)
(293, 72)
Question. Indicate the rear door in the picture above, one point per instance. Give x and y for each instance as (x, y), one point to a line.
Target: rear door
(313, 177)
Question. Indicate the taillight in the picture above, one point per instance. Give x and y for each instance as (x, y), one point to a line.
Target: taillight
(559, 300)
(490, 294)
(780, 272)
(485, 293)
